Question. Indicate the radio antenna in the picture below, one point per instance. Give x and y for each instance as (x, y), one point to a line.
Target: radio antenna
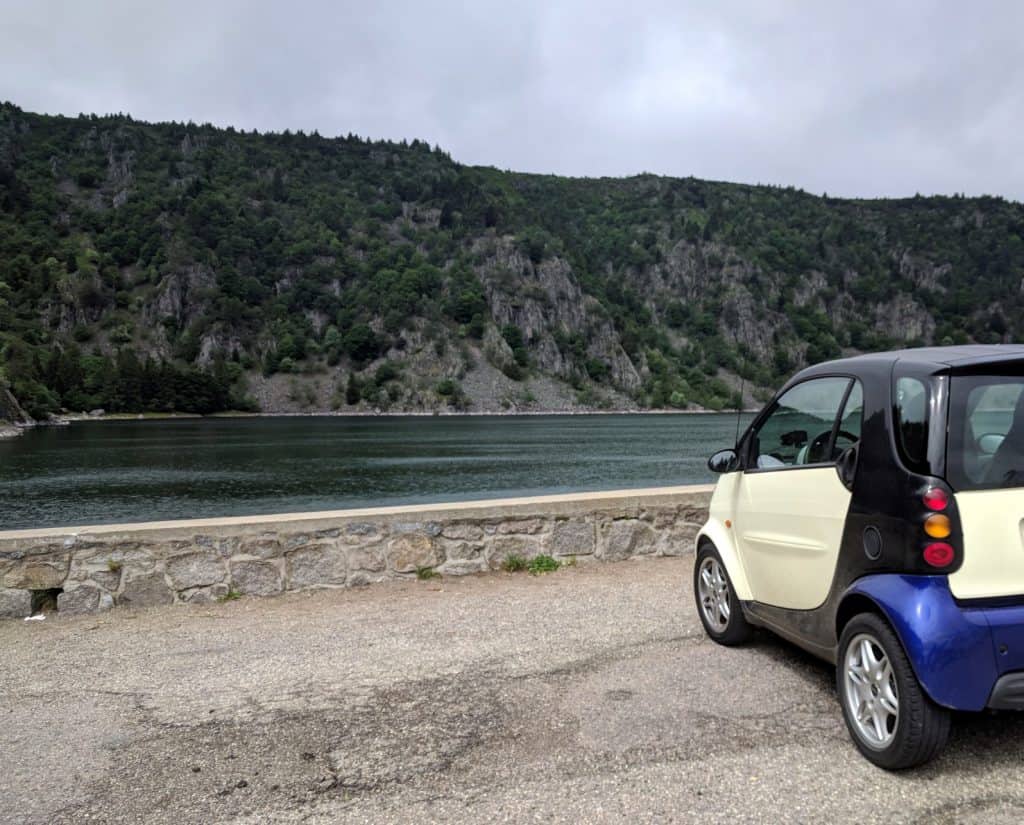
(739, 407)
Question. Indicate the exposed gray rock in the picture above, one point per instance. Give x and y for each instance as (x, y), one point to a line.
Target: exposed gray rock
(316, 565)
(573, 538)
(146, 591)
(15, 604)
(196, 570)
(255, 578)
(369, 559)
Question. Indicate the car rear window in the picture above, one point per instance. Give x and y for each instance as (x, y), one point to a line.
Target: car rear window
(985, 447)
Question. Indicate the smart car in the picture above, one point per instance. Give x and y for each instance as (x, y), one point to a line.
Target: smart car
(873, 514)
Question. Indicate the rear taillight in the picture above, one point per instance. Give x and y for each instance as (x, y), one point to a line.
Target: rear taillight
(938, 554)
(936, 499)
(937, 526)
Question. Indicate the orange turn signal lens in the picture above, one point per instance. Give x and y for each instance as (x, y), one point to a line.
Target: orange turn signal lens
(937, 526)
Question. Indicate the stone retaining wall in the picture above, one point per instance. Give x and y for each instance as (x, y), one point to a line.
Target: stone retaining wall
(202, 560)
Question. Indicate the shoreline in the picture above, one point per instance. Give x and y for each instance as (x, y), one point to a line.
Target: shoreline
(70, 419)
(8, 431)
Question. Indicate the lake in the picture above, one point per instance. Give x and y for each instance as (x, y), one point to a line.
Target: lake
(96, 472)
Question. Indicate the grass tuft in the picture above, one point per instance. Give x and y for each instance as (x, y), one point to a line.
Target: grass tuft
(230, 596)
(543, 564)
(514, 563)
(427, 573)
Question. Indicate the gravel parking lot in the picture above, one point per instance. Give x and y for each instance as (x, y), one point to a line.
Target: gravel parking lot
(587, 695)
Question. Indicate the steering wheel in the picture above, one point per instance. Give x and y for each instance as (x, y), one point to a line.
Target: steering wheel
(819, 442)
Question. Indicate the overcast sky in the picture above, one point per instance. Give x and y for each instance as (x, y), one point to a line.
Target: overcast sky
(856, 99)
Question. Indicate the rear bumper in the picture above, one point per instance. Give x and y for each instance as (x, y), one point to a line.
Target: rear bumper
(1008, 693)
(967, 657)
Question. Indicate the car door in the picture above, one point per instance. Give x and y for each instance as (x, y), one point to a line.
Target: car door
(791, 504)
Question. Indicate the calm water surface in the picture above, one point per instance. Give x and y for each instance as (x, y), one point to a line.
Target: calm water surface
(112, 471)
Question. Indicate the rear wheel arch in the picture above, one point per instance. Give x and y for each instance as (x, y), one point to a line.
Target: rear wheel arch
(853, 605)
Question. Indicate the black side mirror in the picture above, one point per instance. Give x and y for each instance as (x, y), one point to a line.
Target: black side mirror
(724, 461)
(846, 466)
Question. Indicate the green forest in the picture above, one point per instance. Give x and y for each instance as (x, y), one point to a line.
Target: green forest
(175, 266)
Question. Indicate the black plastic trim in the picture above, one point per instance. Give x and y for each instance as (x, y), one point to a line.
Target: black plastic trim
(1008, 693)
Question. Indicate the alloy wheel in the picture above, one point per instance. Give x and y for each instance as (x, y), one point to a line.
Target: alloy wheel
(713, 591)
(871, 694)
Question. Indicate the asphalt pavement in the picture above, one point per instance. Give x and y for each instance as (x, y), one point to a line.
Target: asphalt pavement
(585, 695)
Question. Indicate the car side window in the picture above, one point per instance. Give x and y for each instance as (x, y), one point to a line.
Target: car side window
(798, 430)
(912, 421)
(848, 434)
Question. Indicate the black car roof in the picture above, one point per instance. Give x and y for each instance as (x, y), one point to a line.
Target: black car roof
(955, 359)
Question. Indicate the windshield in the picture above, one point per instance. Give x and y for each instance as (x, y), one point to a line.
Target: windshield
(986, 432)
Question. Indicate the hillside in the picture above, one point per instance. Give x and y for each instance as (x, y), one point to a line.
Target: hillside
(181, 266)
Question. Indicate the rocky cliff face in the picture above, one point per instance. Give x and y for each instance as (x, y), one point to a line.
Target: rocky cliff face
(343, 274)
(10, 410)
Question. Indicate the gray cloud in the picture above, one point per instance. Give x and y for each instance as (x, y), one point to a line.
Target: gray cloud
(868, 99)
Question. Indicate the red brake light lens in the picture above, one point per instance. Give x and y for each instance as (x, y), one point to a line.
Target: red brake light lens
(938, 554)
(936, 499)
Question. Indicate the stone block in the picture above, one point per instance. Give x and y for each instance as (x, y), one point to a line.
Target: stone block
(205, 595)
(358, 531)
(38, 573)
(664, 518)
(430, 528)
(410, 551)
(107, 579)
(463, 550)
(15, 604)
(680, 540)
(523, 525)
(626, 538)
(264, 547)
(255, 578)
(369, 559)
(146, 591)
(316, 565)
(82, 599)
(360, 578)
(463, 531)
(462, 567)
(195, 570)
(504, 546)
(573, 538)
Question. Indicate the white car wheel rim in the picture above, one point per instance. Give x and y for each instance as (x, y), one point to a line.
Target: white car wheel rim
(872, 699)
(713, 591)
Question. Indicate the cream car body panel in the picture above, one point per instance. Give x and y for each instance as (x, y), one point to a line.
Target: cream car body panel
(993, 530)
(789, 524)
(720, 511)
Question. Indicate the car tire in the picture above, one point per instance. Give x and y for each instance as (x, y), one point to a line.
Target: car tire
(717, 606)
(874, 678)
